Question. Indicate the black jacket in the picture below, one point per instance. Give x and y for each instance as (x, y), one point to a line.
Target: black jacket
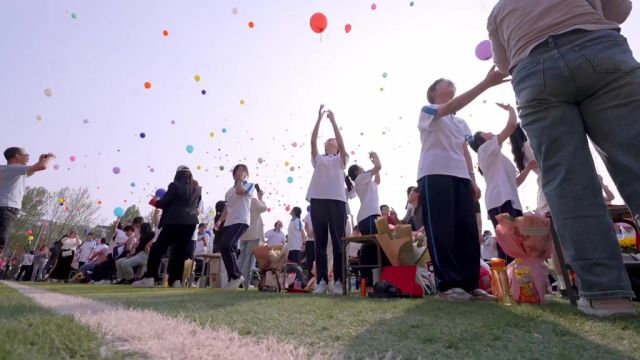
(180, 204)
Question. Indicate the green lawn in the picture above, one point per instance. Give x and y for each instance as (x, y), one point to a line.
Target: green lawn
(28, 331)
(427, 328)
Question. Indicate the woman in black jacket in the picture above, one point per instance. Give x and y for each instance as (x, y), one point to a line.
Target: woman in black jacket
(178, 224)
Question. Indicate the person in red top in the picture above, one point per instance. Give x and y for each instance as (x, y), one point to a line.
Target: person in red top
(385, 210)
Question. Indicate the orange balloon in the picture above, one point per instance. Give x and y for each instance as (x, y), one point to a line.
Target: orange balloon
(147, 85)
(165, 33)
(251, 24)
(318, 22)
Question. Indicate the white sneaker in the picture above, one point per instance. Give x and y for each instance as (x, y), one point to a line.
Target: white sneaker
(176, 284)
(481, 295)
(337, 288)
(321, 288)
(144, 283)
(606, 307)
(455, 294)
(235, 283)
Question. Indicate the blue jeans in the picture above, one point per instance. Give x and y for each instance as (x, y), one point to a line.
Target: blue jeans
(573, 87)
(247, 261)
(124, 266)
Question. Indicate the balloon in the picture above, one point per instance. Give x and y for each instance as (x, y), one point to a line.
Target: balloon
(38, 117)
(292, 168)
(234, 11)
(374, 6)
(165, 32)
(48, 92)
(190, 149)
(99, 202)
(173, 122)
(160, 193)
(221, 168)
(347, 28)
(143, 135)
(318, 22)
(60, 200)
(133, 184)
(30, 238)
(260, 160)
(224, 130)
(56, 167)
(198, 167)
(86, 121)
(290, 179)
(483, 50)
(211, 134)
(251, 24)
(116, 170)
(411, 3)
(29, 232)
(384, 75)
(196, 78)
(72, 158)
(147, 85)
(288, 208)
(204, 92)
(74, 16)
(118, 212)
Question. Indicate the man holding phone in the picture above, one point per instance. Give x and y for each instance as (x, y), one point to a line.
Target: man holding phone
(13, 178)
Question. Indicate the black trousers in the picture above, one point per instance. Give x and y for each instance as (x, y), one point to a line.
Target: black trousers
(452, 232)
(369, 252)
(309, 255)
(294, 256)
(508, 208)
(329, 218)
(178, 238)
(229, 249)
(24, 273)
(7, 216)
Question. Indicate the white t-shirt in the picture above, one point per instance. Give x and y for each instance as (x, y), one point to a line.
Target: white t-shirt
(86, 249)
(489, 249)
(442, 144)
(238, 206)
(27, 259)
(274, 237)
(294, 234)
(542, 206)
(200, 248)
(367, 191)
(121, 238)
(13, 179)
(70, 243)
(307, 221)
(499, 174)
(327, 181)
(100, 247)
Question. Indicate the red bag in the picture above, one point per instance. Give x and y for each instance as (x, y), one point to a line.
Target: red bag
(404, 278)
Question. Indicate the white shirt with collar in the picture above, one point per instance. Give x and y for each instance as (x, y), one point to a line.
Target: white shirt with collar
(239, 206)
(327, 181)
(274, 237)
(499, 174)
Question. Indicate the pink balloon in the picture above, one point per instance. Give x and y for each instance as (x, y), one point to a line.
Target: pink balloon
(72, 158)
(483, 50)
(116, 170)
(373, 6)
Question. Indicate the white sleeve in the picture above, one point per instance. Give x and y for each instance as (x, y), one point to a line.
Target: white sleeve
(427, 115)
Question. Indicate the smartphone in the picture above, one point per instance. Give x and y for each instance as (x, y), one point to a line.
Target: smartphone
(257, 187)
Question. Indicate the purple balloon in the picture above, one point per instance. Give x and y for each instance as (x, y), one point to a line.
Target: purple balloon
(483, 50)
(116, 170)
(160, 193)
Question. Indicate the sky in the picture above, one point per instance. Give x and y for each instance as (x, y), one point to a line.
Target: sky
(73, 76)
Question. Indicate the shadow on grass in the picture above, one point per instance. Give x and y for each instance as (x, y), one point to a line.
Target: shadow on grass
(434, 329)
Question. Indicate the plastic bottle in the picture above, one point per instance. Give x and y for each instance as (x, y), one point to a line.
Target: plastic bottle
(500, 286)
(528, 291)
(363, 287)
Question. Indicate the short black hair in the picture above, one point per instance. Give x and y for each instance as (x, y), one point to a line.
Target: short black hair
(384, 206)
(297, 211)
(202, 225)
(11, 152)
(138, 220)
(128, 228)
(433, 87)
(477, 141)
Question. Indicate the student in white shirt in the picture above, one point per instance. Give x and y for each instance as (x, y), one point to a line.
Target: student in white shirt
(295, 236)
(328, 202)
(236, 217)
(13, 178)
(309, 244)
(26, 267)
(86, 249)
(62, 268)
(499, 172)
(489, 249)
(252, 237)
(275, 236)
(447, 189)
(366, 187)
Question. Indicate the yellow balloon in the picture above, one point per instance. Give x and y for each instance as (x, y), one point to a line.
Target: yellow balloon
(30, 238)
(286, 163)
(60, 200)
(241, 102)
(212, 134)
(198, 167)
(196, 78)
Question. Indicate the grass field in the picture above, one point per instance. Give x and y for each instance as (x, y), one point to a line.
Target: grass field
(29, 332)
(358, 328)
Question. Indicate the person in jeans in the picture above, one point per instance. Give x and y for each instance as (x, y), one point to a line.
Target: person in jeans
(13, 178)
(576, 79)
(236, 217)
(177, 223)
(137, 257)
(39, 261)
(251, 238)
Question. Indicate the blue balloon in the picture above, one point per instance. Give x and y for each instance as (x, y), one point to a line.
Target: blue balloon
(160, 193)
(290, 179)
(189, 149)
(118, 212)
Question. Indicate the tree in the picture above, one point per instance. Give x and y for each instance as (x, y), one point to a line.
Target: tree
(129, 214)
(34, 207)
(72, 209)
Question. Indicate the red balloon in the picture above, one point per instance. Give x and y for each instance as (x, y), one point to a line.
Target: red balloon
(347, 28)
(318, 22)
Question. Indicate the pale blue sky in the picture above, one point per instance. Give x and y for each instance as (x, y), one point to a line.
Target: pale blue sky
(96, 66)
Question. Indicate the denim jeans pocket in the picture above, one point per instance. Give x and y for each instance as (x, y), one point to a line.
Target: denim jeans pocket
(609, 54)
(528, 80)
